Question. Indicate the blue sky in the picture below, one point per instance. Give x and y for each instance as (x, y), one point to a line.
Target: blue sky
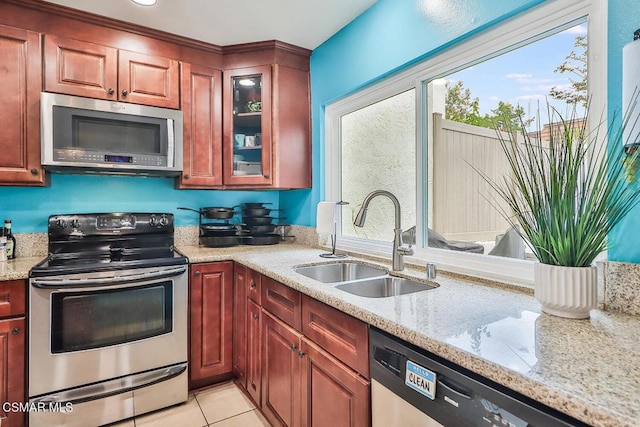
(523, 76)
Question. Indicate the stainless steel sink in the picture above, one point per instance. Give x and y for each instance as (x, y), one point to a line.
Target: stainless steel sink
(386, 286)
(339, 272)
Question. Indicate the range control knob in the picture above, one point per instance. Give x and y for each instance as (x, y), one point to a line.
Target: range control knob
(75, 223)
(153, 221)
(164, 221)
(61, 223)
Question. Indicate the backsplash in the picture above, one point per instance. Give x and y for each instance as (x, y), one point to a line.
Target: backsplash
(31, 245)
(619, 282)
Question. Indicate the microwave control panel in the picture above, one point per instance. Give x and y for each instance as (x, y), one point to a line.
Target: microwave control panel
(81, 156)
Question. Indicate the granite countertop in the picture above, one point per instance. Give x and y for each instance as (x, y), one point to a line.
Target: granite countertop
(589, 369)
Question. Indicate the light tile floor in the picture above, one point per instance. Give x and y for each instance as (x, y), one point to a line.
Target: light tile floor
(222, 405)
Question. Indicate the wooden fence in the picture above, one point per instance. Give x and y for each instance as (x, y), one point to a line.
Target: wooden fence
(463, 202)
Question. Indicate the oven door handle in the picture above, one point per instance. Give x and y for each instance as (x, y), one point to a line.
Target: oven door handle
(111, 387)
(113, 281)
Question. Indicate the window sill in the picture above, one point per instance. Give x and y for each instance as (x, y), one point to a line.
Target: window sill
(512, 272)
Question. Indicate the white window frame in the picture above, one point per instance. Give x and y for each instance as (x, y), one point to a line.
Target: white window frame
(530, 25)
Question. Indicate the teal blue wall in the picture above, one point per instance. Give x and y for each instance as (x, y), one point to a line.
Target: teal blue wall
(29, 208)
(390, 36)
(624, 19)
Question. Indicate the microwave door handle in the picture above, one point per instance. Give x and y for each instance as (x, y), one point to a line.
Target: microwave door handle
(112, 387)
(110, 282)
(170, 143)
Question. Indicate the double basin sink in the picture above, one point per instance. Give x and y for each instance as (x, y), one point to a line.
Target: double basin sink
(362, 280)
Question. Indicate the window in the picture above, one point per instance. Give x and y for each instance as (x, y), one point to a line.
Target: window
(383, 130)
(370, 137)
(509, 92)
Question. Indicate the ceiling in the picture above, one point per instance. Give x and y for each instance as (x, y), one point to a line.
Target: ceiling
(305, 23)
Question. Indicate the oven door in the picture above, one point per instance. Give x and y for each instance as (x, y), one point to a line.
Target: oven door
(88, 328)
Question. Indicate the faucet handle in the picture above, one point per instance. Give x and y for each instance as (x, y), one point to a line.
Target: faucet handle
(410, 235)
(405, 250)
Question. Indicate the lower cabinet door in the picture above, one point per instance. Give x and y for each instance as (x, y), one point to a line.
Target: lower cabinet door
(211, 323)
(254, 353)
(333, 394)
(281, 372)
(240, 324)
(12, 345)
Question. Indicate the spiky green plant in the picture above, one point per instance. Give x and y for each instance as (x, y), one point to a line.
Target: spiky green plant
(566, 194)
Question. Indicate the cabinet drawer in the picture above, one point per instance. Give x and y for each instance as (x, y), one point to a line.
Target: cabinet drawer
(282, 301)
(254, 280)
(12, 298)
(345, 337)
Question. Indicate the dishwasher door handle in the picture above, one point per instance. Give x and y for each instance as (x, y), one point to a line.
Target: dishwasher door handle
(454, 387)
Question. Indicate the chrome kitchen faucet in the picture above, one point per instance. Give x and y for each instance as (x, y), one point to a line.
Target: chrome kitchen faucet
(399, 248)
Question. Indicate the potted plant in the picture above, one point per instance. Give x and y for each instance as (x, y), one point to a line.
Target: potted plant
(564, 195)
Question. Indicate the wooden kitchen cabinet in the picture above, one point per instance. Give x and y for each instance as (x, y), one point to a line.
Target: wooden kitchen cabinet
(333, 394)
(202, 137)
(266, 125)
(344, 336)
(211, 322)
(246, 329)
(301, 381)
(254, 351)
(281, 392)
(247, 123)
(76, 67)
(12, 349)
(240, 345)
(20, 85)
(302, 356)
(283, 301)
(254, 288)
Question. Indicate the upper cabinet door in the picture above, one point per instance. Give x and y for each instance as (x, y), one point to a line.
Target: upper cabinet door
(79, 68)
(247, 126)
(149, 80)
(202, 138)
(20, 85)
(75, 67)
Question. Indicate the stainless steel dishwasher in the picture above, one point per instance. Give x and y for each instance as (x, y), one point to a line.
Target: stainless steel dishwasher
(412, 387)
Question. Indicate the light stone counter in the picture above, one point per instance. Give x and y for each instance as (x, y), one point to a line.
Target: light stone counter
(18, 268)
(589, 369)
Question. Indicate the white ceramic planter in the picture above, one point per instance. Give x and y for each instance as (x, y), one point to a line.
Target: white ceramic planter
(566, 291)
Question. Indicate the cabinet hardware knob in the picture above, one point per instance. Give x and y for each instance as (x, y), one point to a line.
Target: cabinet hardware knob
(110, 91)
(266, 176)
(253, 285)
(301, 353)
(187, 176)
(196, 273)
(124, 92)
(15, 331)
(294, 347)
(34, 171)
(255, 316)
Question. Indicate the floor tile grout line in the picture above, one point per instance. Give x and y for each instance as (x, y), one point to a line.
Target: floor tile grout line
(195, 396)
(233, 416)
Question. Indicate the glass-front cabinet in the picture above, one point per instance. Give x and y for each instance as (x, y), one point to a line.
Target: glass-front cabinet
(247, 126)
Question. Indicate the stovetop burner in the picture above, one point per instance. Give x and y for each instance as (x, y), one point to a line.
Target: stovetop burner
(84, 243)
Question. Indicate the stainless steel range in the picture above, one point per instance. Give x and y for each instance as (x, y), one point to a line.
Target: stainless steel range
(108, 320)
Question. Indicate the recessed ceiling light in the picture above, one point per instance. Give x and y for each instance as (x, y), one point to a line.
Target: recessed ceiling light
(145, 2)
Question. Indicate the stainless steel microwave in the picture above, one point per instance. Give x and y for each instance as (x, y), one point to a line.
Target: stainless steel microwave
(99, 136)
